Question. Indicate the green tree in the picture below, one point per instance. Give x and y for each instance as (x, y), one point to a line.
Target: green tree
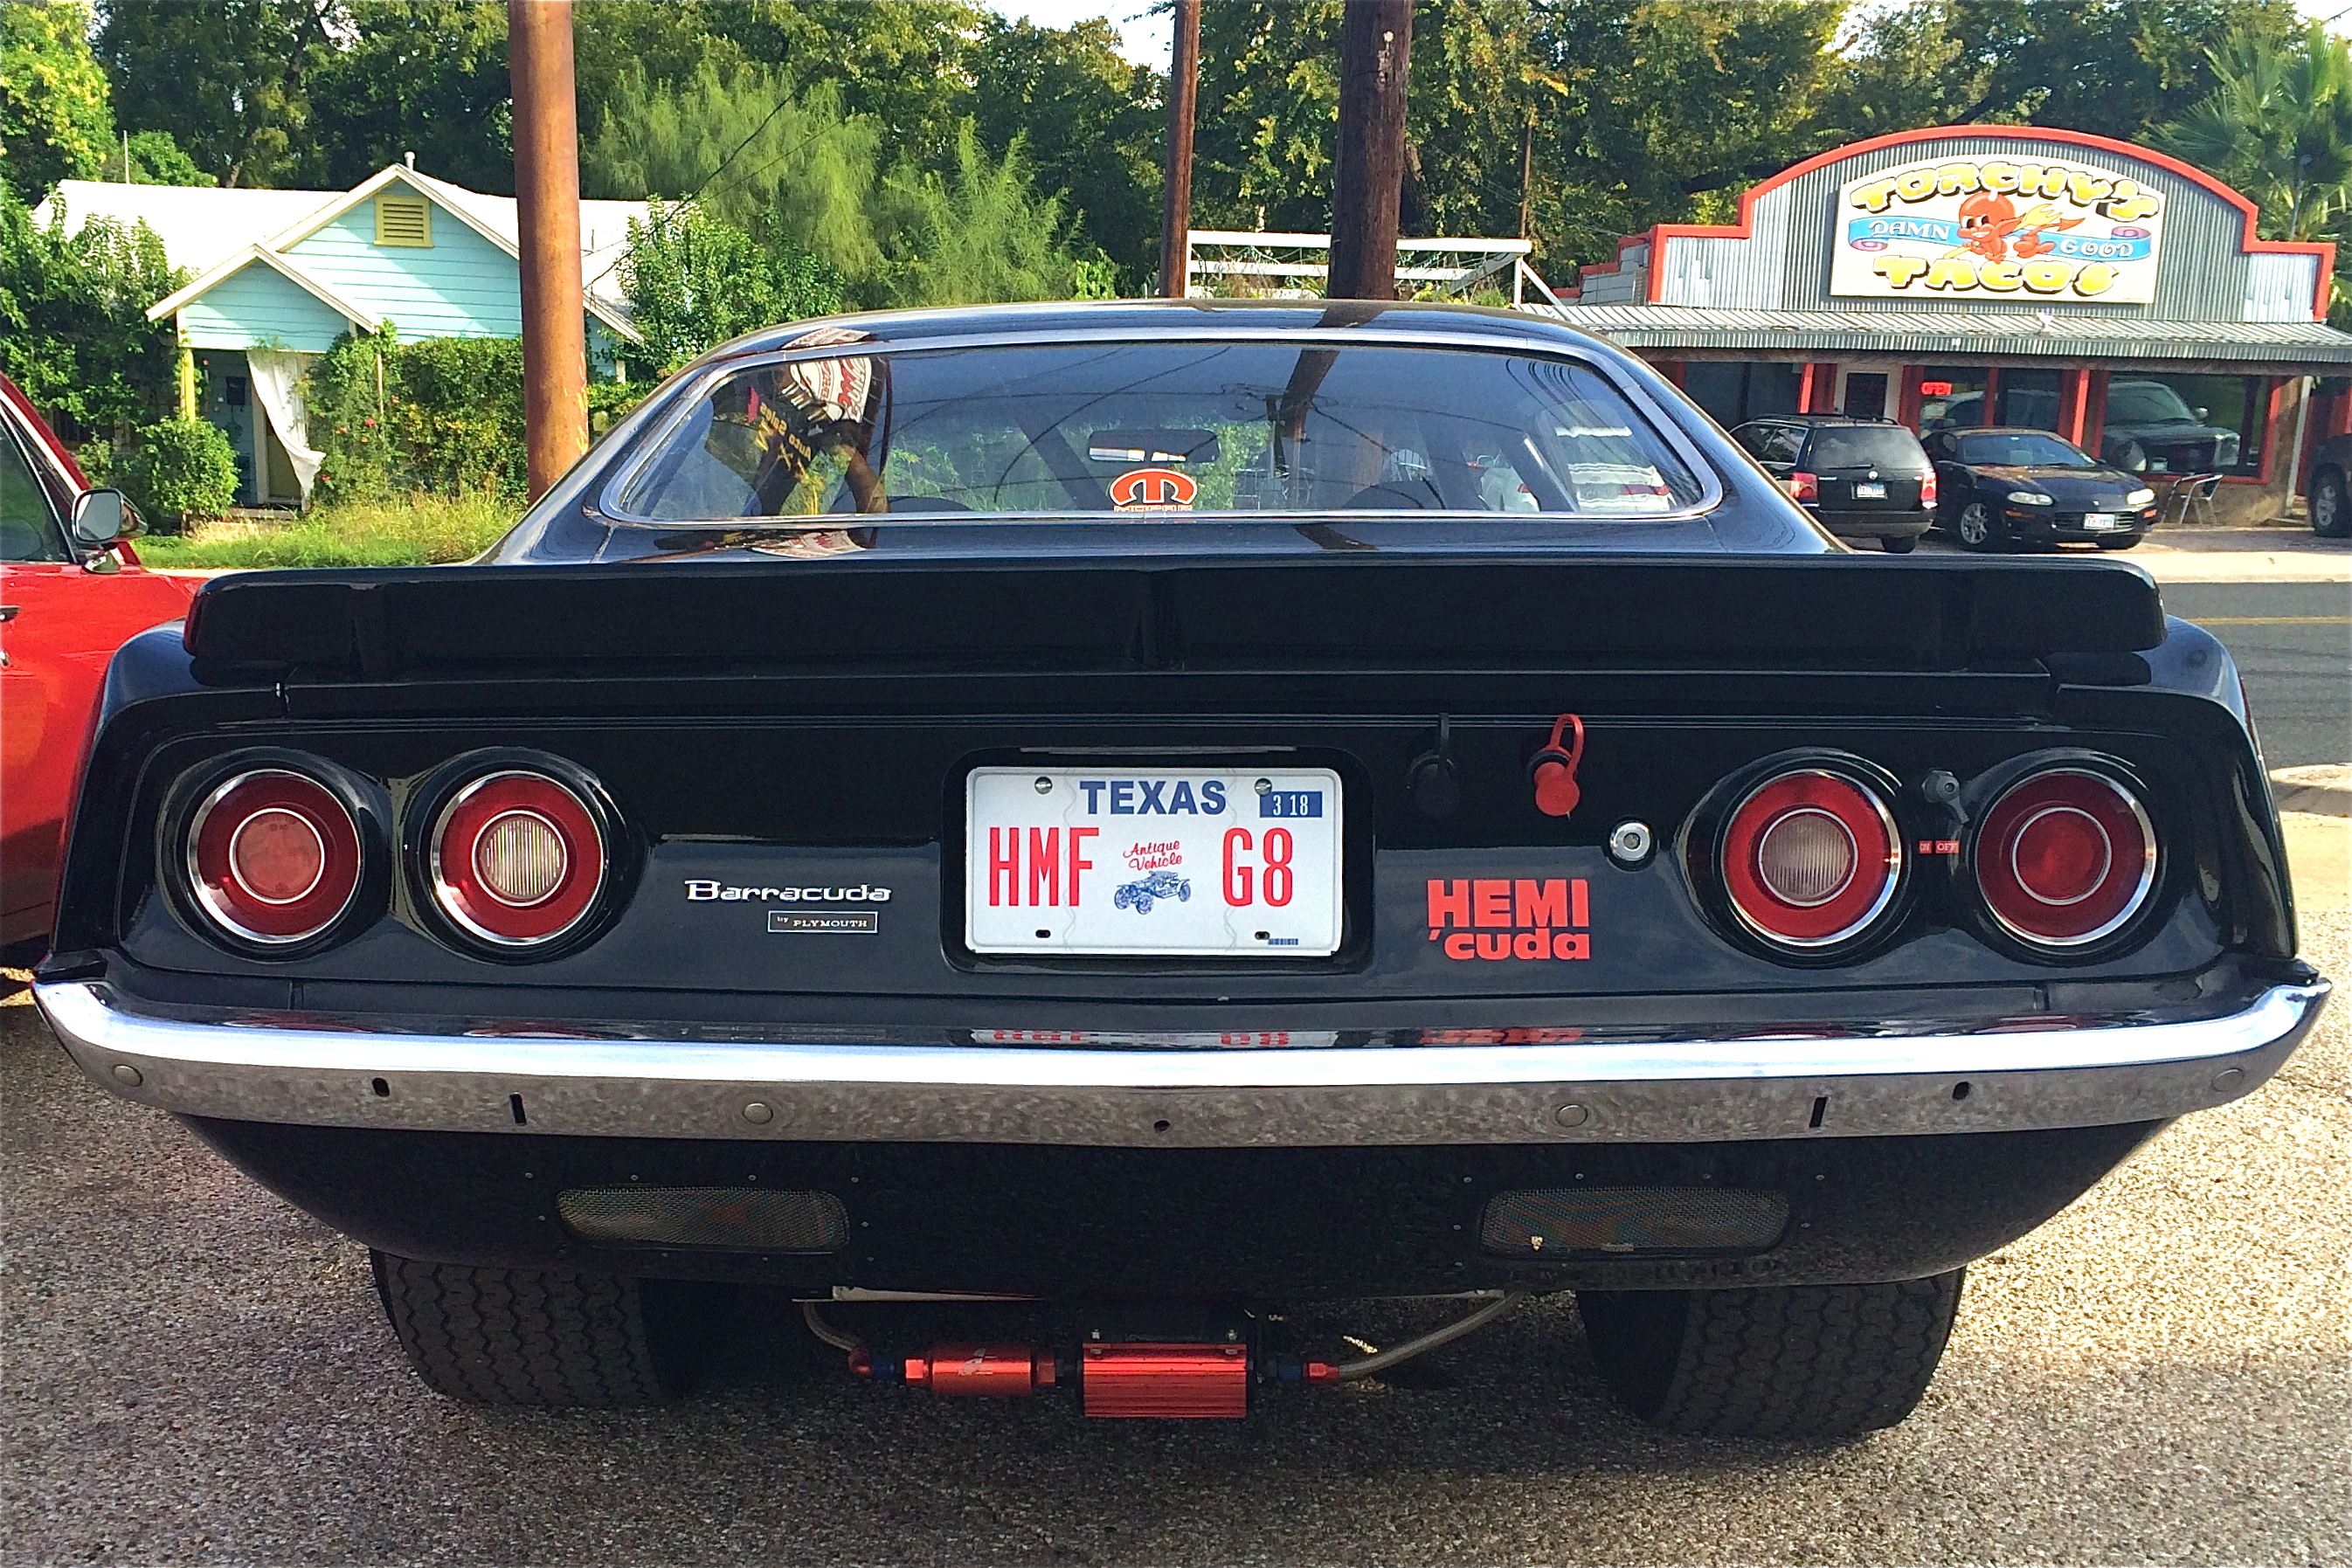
(663, 41)
(1268, 117)
(750, 153)
(230, 79)
(695, 280)
(905, 65)
(427, 77)
(977, 232)
(1092, 124)
(156, 159)
(2278, 127)
(2116, 67)
(55, 123)
(74, 332)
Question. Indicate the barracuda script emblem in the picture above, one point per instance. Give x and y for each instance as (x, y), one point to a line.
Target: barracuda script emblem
(700, 891)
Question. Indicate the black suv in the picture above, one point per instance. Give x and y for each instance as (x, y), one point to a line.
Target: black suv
(1860, 478)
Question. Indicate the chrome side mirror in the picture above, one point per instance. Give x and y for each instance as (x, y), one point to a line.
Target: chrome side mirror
(99, 517)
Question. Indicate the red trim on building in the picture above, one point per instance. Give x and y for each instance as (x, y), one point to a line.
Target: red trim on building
(2249, 242)
(2270, 438)
(1819, 388)
(2094, 416)
(2073, 403)
(1906, 397)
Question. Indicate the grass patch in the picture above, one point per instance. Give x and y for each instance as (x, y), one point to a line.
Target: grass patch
(408, 530)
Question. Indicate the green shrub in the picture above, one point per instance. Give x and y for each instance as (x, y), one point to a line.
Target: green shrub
(406, 530)
(182, 471)
(608, 400)
(443, 414)
(695, 280)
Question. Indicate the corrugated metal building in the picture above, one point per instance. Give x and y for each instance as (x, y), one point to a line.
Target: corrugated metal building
(2001, 275)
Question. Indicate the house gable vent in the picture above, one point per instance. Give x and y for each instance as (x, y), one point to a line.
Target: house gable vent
(403, 218)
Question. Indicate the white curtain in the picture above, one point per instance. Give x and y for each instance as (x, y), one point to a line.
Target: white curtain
(277, 387)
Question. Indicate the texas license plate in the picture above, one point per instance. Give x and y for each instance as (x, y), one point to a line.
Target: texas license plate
(1170, 862)
(2098, 519)
(1865, 491)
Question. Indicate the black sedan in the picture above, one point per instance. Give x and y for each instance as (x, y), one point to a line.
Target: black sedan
(2001, 486)
(1568, 870)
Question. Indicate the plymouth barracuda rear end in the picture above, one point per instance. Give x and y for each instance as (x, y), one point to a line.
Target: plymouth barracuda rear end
(1181, 907)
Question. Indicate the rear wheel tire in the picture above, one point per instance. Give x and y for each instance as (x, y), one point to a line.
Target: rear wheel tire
(1899, 545)
(1792, 1363)
(2331, 507)
(552, 1340)
(1975, 529)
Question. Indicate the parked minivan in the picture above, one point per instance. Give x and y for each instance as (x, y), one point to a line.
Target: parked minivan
(1860, 478)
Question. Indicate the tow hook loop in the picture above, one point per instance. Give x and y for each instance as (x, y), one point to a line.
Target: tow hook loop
(1554, 766)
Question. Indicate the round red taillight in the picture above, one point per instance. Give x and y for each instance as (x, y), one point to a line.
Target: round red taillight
(274, 856)
(516, 859)
(2064, 857)
(1809, 859)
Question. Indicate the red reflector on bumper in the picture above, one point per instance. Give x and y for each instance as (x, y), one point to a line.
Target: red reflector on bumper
(1166, 1382)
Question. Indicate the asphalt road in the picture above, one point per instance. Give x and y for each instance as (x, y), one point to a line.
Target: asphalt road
(197, 1372)
(2293, 642)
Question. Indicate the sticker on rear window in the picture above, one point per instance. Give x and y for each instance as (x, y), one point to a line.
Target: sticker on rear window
(1154, 490)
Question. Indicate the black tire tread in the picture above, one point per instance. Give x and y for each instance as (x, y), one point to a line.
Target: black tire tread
(1804, 1363)
(524, 1337)
(2343, 509)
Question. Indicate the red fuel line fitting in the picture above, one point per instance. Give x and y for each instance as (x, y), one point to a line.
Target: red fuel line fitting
(1554, 768)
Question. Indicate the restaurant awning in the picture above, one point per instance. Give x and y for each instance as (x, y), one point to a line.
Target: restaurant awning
(1945, 334)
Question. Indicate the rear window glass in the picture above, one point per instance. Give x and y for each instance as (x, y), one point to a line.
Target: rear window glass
(1156, 427)
(1865, 446)
(2023, 449)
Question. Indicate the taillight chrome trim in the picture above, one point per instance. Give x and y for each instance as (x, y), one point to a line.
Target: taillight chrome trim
(448, 900)
(2151, 860)
(208, 901)
(1895, 863)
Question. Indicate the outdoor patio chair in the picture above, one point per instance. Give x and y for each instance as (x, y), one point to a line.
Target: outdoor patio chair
(2190, 495)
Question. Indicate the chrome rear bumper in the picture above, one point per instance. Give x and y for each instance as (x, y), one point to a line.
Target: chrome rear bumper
(1981, 1075)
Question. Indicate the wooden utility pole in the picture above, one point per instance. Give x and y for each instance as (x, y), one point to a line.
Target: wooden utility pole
(1176, 191)
(1368, 176)
(547, 204)
(1528, 175)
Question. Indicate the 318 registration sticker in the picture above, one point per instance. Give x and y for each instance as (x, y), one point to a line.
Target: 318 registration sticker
(1175, 862)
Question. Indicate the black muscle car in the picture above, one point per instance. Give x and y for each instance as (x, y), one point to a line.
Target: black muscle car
(1600, 879)
(2005, 486)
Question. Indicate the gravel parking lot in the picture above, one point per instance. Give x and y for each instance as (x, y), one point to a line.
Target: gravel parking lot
(195, 1372)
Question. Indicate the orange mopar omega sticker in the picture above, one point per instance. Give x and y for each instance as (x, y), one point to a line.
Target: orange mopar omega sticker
(1154, 490)
(1496, 918)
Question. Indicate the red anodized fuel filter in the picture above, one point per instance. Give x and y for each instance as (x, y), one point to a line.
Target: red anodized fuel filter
(954, 1371)
(1166, 1382)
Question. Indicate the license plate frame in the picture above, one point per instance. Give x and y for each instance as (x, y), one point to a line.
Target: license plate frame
(1153, 882)
(1869, 490)
(2101, 520)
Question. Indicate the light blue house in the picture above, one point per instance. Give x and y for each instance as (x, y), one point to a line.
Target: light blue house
(280, 275)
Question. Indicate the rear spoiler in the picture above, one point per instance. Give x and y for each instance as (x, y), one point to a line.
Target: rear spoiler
(1356, 610)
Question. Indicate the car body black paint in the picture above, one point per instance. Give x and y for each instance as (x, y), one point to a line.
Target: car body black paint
(728, 704)
(1269, 1224)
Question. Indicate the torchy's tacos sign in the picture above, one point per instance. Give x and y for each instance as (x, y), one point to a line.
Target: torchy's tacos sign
(1990, 228)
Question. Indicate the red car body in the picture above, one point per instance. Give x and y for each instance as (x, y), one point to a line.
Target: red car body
(63, 610)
